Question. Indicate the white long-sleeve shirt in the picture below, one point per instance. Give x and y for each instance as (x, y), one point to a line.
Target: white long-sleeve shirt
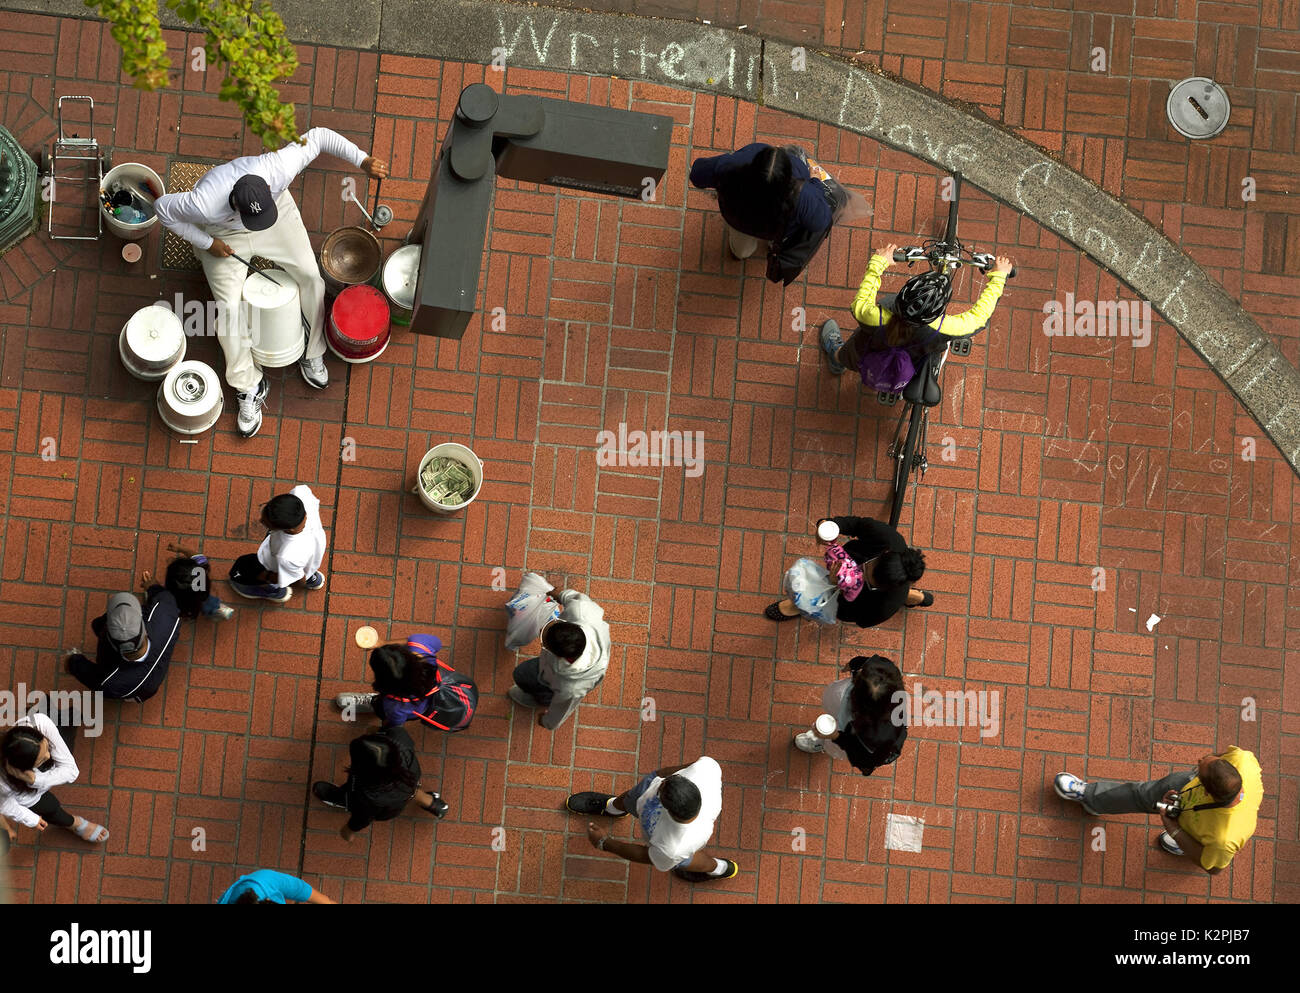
(209, 202)
(296, 556)
(14, 803)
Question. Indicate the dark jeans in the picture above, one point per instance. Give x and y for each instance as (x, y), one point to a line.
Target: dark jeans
(528, 679)
(1109, 796)
(49, 807)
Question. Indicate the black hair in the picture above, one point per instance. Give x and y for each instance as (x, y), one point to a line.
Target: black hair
(188, 581)
(20, 749)
(250, 896)
(565, 639)
(765, 189)
(284, 512)
(895, 569)
(400, 672)
(1222, 780)
(377, 761)
(680, 797)
(872, 697)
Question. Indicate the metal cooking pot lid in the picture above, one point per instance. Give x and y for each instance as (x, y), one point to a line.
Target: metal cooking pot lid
(401, 273)
(262, 293)
(154, 334)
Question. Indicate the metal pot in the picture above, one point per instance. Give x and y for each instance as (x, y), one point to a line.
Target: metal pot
(348, 257)
(401, 273)
(151, 342)
(189, 399)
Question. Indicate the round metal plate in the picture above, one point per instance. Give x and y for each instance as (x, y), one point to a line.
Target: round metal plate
(400, 274)
(1198, 107)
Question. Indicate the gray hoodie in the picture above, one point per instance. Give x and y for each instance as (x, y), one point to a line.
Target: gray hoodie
(571, 681)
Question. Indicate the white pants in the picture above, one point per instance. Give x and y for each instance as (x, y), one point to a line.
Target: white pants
(285, 243)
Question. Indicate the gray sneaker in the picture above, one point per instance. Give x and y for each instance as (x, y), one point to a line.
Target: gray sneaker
(249, 419)
(832, 341)
(520, 697)
(358, 701)
(806, 741)
(314, 372)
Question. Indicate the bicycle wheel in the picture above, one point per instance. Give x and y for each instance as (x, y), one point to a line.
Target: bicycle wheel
(903, 460)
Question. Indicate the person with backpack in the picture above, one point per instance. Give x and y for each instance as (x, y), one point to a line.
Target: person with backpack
(888, 569)
(575, 654)
(413, 684)
(135, 646)
(35, 758)
(383, 777)
(293, 549)
(189, 580)
(870, 728)
(774, 195)
(896, 331)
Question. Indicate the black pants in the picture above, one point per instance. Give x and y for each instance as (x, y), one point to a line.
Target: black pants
(528, 678)
(48, 806)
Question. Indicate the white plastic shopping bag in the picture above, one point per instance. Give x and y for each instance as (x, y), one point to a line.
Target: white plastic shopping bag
(813, 591)
(529, 611)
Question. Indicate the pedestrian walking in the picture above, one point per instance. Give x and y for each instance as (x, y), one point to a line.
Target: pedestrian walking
(292, 551)
(574, 656)
(875, 573)
(37, 757)
(896, 331)
(866, 725)
(269, 886)
(778, 196)
(676, 809)
(383, 777)
(244, 208)
(189, 580)
(411, 683)
(1208, 813)
(134, 649)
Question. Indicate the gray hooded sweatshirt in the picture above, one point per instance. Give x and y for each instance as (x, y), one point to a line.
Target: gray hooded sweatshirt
(571, 681)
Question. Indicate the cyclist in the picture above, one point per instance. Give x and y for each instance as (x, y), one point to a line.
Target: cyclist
(896, 331)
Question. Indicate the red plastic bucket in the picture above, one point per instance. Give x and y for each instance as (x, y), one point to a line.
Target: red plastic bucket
(358, 326)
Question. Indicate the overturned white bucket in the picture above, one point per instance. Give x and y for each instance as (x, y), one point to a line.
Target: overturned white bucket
(273, 318)
(189, 399)
(151, 342)
(462, 455)
(139, 179)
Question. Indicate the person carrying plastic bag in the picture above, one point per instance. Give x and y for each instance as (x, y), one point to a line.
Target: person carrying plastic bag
(529, 610)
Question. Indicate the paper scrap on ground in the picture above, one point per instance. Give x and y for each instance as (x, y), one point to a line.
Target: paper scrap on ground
(1152, 621)
(903, 833)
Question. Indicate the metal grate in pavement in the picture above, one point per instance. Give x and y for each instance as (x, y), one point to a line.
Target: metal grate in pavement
(177, 253)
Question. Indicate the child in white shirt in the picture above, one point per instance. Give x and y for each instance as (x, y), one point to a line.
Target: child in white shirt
(293, 549)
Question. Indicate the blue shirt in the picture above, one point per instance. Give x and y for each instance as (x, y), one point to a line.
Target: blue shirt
(811, 212)
(277, 887)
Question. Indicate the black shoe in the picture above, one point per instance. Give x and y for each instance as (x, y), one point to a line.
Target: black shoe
(927, 600)
(703, 877)
(591, 803)
(329, 794)
(773, 612)
(439, 807)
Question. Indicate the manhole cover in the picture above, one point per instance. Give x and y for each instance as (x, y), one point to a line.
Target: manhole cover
(1198, 107)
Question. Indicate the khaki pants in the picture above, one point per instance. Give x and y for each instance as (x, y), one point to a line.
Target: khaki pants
(742, 245)
(285, 243)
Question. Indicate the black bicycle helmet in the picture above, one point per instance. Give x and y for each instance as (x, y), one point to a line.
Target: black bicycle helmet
(923, 298)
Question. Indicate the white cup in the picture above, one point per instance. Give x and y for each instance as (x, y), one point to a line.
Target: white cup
(828, 531)
(825, 725)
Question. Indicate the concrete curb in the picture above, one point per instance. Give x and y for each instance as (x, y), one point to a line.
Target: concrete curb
(836, 92)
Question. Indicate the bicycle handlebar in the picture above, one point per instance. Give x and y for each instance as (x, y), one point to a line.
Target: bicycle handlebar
(902, 255)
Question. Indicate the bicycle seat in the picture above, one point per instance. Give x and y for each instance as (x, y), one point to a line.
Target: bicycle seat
(924, 386)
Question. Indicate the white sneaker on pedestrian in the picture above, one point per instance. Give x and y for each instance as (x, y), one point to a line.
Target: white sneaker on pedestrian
(520, 697)
(806, 741)
(249, 420)
(224, 613)
(357, 701)
(314, 372)
(1071, 787)
(1169, 844)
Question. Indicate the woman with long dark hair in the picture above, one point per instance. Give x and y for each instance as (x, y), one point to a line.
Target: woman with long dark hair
(383, 777)
(411, 683)
(870, 711)
(34, 759)
(889, 566)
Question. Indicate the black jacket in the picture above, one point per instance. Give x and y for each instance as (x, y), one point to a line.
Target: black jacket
(119, 679)
(870, 538)
(383, 801)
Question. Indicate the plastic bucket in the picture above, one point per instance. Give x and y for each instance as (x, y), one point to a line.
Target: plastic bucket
(151, 342)
(461, 454)
(358, 325)
(140, 179)
(189, 399)
(273, 319)
(401, 272)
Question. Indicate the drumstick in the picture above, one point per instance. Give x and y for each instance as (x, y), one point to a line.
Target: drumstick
(253, 268)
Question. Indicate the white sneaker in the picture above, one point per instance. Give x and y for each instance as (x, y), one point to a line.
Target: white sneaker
(357, 701)
(314, 372)
(249, 419)
(224, 613)
(806, 741)
(1071, 787)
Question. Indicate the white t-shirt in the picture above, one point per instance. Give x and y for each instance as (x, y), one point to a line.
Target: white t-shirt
(14, 803)
(296, 556)
(671, 842)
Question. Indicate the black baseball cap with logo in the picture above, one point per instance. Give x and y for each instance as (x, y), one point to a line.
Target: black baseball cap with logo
(252, 198)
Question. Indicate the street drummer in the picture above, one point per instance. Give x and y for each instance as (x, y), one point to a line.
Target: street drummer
(244, 208)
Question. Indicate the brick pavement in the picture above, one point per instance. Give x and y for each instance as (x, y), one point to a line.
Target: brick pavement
(1071, 454)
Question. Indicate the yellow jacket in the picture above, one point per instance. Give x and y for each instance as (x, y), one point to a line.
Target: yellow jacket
(870, 314)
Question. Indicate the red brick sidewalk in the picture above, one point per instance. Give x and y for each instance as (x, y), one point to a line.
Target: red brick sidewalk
(1072, 454)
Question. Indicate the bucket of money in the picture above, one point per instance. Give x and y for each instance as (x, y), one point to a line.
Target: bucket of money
(449, 478)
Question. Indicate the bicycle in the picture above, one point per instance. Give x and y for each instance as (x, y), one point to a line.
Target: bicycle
(945, 255)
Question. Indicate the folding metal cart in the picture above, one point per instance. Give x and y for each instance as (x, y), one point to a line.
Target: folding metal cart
(73, 148)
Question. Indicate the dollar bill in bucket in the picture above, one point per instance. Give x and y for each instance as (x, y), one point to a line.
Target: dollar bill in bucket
(447, 481)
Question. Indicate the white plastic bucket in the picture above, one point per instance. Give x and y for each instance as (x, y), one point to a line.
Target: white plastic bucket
(461, 454)
(131, 174)
(189, 399)
(151, 342)
(273, 319)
